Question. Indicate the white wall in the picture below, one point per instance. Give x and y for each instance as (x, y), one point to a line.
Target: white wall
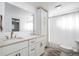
(60, 36)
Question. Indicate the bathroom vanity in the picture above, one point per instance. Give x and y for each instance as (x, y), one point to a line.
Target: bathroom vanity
(77, 45)
(29, 46)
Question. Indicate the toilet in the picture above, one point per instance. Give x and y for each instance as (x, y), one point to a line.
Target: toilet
(66, 51)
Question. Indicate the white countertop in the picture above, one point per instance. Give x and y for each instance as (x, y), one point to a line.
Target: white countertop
(16, 40)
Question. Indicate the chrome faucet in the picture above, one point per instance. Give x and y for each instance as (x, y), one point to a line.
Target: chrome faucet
(11, 34)
(7, 37)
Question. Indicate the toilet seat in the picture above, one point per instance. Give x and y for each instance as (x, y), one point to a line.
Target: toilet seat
(68, 51)
(66, 47)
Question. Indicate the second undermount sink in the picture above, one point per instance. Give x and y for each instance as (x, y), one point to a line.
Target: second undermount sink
(18, 38)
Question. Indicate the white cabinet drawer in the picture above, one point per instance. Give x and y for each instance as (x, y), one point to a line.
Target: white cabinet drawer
(40, 48)
(32, 42)
(23, 52)
(14, 47)
(14, 54)
(43, 42)
(1, 52)
(32, 50)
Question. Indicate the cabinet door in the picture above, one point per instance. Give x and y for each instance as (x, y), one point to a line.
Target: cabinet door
(14, 47)
(43, 40)
(14, 54)
(41, 44)
(44, 23)
(32, 42)
(32, 50)
(23, 52)
(40, 48)
(1, 52)
(41, 22)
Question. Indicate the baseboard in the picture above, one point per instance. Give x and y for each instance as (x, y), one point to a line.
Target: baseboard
(53, 45)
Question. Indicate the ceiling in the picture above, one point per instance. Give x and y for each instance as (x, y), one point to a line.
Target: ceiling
(66, 7)
(41, 4)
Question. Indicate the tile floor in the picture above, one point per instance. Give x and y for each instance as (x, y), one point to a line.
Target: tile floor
(57, 52)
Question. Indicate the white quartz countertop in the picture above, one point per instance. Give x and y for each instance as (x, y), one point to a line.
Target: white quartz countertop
(16, 40)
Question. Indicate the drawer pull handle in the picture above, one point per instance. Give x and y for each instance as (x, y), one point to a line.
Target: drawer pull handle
(32, 41)
(18, 54)
(33, 49)
(41, 44)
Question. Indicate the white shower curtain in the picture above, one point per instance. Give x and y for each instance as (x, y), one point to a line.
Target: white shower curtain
(64, 29)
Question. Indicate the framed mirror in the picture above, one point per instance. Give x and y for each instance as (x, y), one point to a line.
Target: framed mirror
(17, 19)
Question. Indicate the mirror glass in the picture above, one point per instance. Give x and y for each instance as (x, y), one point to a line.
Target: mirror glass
(17, 19)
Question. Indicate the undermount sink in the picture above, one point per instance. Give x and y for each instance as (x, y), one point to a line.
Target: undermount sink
(26, 37)
(4, 39)
(18, 38)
